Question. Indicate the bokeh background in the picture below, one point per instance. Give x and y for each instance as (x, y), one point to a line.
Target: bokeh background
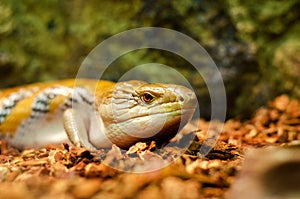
(255, 44)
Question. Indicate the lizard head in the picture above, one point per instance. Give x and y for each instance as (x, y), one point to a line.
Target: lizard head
(135, 111)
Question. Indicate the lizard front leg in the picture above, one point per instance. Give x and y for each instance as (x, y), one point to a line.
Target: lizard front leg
(76, 127)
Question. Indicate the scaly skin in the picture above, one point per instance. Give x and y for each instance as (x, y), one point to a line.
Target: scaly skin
(94, 114)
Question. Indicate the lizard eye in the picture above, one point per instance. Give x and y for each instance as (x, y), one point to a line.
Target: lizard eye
(147, 97)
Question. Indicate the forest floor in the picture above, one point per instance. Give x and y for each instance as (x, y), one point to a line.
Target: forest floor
(63, 171)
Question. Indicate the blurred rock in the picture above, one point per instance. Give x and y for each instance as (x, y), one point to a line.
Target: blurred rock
(269, 173)
(271, 29)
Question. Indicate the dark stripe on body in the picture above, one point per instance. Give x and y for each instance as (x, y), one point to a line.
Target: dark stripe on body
(11, 101)
(40, 105)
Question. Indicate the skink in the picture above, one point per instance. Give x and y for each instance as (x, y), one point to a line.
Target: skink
(94, 114)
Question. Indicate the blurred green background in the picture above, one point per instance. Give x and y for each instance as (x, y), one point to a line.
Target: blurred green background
(255, 44)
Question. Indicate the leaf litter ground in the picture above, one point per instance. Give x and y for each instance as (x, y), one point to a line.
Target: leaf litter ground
(65, 171)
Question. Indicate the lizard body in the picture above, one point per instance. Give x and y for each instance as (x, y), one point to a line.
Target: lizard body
(94, 114)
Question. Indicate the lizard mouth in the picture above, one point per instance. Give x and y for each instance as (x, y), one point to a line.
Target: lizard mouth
(177, 112)
(156, 126)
